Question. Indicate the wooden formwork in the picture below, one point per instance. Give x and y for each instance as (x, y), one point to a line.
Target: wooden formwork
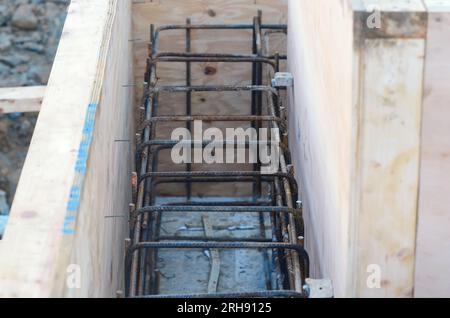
(21, 99)
(368, 120)
(368, 132)
(76, 175)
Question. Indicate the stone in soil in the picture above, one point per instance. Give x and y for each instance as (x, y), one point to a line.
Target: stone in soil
(5, 13)
(5, 42)
(24, 18)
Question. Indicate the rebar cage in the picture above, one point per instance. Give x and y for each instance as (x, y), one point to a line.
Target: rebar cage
(274, 197)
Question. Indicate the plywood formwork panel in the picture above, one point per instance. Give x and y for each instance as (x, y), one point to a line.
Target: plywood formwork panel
(389, 165)
(107, 188)
(319, 48)
(356, 115)
(432, 278)
(74, 175)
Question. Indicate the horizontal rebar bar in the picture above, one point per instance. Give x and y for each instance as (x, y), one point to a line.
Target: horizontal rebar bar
(216, 209)
(257, 294)
(155, 34)
(180, 57)
(211, 118)
(219, 55)
(215, 174)
(219, 203)
(204, 143)
(156, 146)
(214, 239)
(213, 88)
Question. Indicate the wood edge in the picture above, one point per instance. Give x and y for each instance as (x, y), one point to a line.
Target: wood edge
(21, 99)
(70, 229)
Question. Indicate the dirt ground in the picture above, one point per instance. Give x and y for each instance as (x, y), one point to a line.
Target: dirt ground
(29, 36)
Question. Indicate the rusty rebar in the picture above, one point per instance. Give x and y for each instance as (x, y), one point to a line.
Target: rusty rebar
(146, 215)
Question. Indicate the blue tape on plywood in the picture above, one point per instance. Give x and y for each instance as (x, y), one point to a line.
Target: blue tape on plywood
(80, 172)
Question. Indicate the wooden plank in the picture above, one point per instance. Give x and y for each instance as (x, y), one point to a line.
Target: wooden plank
(63, 194)
(388, 90)
(433, 239)
(109, 159)
(355, 119)
(320, 121)
(21, 99)
(389, 165)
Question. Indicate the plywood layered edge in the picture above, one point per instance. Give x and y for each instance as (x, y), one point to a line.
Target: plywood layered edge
(65, 230)
(364, 161)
